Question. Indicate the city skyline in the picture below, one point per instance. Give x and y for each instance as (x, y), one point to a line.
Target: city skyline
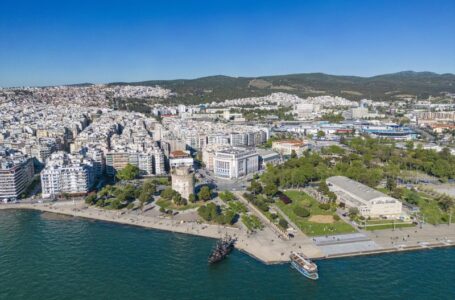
(54, 44)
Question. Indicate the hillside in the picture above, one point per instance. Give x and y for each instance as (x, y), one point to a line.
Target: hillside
(381, 87)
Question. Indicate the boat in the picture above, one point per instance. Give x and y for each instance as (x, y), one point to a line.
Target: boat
(222, 249)
(304, 265)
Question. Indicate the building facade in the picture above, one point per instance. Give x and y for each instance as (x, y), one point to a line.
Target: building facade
(16, 174)
(67, 174)
(285, 147)
(235, 162)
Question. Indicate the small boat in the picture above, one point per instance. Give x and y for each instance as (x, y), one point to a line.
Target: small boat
(304, 265)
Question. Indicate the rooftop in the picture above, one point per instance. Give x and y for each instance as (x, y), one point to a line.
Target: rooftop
(356, 188)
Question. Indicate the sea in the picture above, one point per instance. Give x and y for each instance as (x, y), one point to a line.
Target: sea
(48, 256)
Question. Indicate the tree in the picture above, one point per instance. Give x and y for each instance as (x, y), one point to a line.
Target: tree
(116, 204)
(270, 189)
(397, 193)
(320, 134)
(353, 212)
(149, 187)
(90, 199)
(192, 198)
(283, 223)
(229, 217)
(227, 196)
(445, 202)
(391, 183)
(129, 172)
(301, 212)
(209, 212)
(255, 187)
(205, 194)
(144, 197)
(178, 200)
(412, 198)
(167, 193)
(100, 202)
(324, 206)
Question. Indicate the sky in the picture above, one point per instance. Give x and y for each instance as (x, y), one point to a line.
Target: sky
(63, 42)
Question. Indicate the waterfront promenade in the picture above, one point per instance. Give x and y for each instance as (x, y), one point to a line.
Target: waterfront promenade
(266, 245)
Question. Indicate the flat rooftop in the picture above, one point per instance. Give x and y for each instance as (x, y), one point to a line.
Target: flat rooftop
(356, 188)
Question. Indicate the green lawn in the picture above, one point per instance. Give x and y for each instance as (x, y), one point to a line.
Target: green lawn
(168, 204)
(430, 209)
(308, 227)
(237, 207)
(389, 226)
(252, 222)
(433, 214)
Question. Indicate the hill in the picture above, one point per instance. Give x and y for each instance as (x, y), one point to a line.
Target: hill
(382, 87)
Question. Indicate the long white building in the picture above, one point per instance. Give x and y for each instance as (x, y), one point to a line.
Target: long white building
(369, 202)
(235, 162)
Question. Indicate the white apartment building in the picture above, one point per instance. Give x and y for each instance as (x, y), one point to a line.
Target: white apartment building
(235, 162)
(65, 173)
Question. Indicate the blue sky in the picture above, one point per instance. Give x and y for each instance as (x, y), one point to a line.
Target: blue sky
(60, 42)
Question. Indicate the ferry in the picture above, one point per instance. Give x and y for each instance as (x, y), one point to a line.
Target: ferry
(304, 265)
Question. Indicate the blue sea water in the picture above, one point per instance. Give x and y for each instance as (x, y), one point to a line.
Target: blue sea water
(44, 257)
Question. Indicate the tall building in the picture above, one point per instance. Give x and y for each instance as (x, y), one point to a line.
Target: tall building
(16, 173)
(67, 174)
(151, 162)
(235, 162)
(183, 181)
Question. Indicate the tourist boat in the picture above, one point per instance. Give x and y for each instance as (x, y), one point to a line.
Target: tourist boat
(304, 265)
(222, 249)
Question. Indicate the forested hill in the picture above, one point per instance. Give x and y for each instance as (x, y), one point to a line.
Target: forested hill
(382, 87)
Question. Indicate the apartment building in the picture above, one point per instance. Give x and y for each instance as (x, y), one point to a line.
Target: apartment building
(67, 174)
(16, 174)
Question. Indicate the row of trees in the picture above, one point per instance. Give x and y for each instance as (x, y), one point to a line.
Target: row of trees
(370, 162)
(117, 197)
(171, 195)
(439, 164)
(213, 213)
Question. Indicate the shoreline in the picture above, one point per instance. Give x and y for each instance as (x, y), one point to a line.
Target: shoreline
(256, 246)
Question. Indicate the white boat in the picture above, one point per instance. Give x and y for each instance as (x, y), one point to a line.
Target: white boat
(304, 265)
